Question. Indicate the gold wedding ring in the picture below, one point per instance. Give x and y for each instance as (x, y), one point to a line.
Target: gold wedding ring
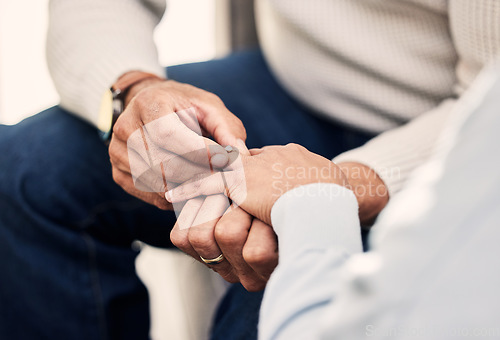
(217, 260)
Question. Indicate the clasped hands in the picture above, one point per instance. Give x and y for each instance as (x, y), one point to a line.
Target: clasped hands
(222, 196)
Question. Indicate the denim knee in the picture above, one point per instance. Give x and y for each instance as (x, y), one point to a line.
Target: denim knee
(47, 163)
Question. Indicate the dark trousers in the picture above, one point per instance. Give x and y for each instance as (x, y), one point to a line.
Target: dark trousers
(66, 261)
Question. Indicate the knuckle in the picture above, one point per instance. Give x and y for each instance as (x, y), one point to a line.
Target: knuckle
(227, 234)
(119, 130)
(179, 239)
(195, 187)
(243, 131)
(114, 155)
(117, 177)
(257, 256)
(296, 147)
(144, 98)
(253, 285)
(201, 239)
(212, 97)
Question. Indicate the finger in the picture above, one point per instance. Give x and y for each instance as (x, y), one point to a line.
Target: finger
(227, 128)
(171, 134)
(207, 158)
(231, 234)
(185, 219)
(254, 152)
(125, 181)
(172, 168)
(128, 161)
(202, 238)
(180, 237)
(209, 185)
(188, 117)
(125, 159)
(240, 144)
(229, 183)
(118, 154)
(177, 169)
(261, 249)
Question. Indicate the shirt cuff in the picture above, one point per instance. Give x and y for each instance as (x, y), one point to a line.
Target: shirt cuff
(317, 216)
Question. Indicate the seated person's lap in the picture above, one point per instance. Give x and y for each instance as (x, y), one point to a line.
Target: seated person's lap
(66, 227)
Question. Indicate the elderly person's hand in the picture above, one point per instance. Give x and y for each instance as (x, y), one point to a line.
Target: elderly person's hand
(248, 246)
(160, 123)
(245, 248)
(158, 143)
(263, 177)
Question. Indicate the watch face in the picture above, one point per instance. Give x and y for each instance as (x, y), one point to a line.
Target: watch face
(106, 112)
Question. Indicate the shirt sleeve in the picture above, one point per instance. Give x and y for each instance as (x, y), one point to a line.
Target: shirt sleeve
(91, 43)
(318, 230)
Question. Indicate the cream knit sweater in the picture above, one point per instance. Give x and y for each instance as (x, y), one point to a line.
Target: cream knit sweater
(371, 64)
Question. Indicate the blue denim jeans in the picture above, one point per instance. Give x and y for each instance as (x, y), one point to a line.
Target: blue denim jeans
(66, 229)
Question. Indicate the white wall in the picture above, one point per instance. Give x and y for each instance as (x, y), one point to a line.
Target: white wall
(25, 85)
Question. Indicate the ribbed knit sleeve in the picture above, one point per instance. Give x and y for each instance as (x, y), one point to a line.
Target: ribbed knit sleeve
(91, 43)
(396, 153)
(475, 28)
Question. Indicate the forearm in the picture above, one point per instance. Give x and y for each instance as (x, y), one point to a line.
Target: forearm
(91, 43)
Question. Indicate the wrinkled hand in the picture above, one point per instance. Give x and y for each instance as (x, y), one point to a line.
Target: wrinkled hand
(249, 246)
(167, 143)
(159, 138)
(266, 174)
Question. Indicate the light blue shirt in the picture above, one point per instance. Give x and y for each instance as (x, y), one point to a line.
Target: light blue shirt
(434, 271)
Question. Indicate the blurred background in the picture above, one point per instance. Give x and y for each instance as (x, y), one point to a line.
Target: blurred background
(183, 293)
(25, 84)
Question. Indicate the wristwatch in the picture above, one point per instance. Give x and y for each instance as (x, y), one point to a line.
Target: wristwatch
(113, 101)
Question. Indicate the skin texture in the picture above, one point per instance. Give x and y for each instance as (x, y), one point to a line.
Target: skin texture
(236, 234)
(370, 191)
(249, 244)
(268, 174)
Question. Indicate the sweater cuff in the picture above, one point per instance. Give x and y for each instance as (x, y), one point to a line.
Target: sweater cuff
(316, 216)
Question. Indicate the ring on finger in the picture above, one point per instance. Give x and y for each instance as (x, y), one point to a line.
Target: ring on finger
(216, 260)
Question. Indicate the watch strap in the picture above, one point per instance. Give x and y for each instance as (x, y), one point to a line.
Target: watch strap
(129, 79)
(119, 92)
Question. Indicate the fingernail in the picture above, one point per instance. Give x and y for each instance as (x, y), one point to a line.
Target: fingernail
(219, 160)
(216, 150)
(168, 196)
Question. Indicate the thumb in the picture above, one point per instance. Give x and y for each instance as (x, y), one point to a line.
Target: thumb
(224, 136)
(242, 148)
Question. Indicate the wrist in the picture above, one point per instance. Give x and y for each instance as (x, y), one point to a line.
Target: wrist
(144, 80)
(369, 189)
